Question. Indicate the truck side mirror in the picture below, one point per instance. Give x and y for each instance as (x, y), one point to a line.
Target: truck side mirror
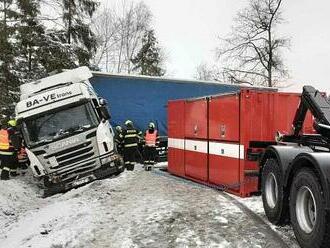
(104, 112)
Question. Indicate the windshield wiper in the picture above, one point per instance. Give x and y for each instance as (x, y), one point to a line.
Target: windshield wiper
(77, 129)
(82, 128)
(43, 141)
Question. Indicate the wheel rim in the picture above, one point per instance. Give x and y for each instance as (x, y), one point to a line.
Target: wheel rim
(306, 209)
(271, 190)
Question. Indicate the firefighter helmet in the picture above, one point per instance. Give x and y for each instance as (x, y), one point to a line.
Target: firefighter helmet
(119, 129)
(128, 123)
(12, 123)
(151, 125)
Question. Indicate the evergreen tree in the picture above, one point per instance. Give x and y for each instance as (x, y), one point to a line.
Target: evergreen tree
(78, 31)
(8, 77)
(41, 51)
(30, 35)
(55, 54)
(148, 60)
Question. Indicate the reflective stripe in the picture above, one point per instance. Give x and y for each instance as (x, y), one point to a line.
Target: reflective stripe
(131, 145)
(127, 162)
(6, 153)
(215, 148)
(130, 136)
(227, 150)
(131, 131)
(176, 143)
(196, 146)
(6, 169)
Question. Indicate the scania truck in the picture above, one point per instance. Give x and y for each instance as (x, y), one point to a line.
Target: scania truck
(66, 129)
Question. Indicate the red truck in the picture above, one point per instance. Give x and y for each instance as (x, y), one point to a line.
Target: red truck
(257, 140)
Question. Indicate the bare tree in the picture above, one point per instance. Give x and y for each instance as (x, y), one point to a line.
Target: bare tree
(252, 52)
(106, 27)
(119, 30)
(207, 73)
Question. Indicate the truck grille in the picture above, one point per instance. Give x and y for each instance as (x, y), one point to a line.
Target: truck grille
(73, 155)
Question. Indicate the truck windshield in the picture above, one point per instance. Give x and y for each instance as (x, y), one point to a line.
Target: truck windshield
(61, 123)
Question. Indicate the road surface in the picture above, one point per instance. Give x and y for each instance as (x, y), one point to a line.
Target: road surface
(135, 209)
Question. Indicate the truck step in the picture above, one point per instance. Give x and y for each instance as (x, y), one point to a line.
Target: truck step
(251, 173)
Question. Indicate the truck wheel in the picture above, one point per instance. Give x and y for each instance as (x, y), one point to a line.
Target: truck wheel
(275, 200)
(310, 220)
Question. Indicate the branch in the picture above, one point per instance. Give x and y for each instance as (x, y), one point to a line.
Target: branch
(273, 14)
(246, 72)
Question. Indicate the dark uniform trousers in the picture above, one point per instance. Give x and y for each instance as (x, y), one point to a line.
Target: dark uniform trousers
(149, 154)
(9, 163)
(130, 148)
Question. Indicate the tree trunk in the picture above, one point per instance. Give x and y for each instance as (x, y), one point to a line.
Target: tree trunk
(270, 59)
(69, 23)
(5, 34)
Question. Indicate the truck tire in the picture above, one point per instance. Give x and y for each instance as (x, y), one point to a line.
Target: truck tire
(275, 200)
(309, 218)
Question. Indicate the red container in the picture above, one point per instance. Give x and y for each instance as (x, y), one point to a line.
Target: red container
(223, 135)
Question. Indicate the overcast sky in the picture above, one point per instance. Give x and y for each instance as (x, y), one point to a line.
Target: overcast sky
(189, 31)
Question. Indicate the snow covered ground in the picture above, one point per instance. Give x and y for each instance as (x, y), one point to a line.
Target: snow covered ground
(135, 209)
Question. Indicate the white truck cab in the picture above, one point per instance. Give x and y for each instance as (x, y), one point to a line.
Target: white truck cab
(66, 129)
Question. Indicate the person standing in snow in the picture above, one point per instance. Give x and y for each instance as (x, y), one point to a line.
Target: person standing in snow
(10, 144)
(119, 139)
(131, 139)
(151, 143)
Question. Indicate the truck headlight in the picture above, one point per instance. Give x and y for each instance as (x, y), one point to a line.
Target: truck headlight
(106, 160)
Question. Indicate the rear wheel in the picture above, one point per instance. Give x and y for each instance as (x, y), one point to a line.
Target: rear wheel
(273, 196)
(310, 221)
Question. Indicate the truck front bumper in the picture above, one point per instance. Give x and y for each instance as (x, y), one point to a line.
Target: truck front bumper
(108, 165)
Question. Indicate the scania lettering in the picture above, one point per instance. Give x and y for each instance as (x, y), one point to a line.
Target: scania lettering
(67, 132)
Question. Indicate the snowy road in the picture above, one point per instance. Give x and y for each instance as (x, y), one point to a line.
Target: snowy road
(136, 209)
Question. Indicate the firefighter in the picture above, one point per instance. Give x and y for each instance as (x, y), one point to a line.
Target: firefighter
(131, 139)
(10, 143)
(23, 160)
(151, 143)
(119, 139)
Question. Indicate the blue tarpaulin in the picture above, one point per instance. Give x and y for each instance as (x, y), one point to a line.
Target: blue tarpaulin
(144, 99)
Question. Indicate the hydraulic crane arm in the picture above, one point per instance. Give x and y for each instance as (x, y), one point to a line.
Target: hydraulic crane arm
(316, 102)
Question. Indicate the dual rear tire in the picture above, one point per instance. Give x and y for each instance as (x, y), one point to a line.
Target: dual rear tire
(274, 198)
(309, 218)
(303, 205)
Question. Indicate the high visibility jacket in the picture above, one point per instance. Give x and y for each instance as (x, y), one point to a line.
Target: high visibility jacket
(151, 138)
(6, 147)
(131, 137)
